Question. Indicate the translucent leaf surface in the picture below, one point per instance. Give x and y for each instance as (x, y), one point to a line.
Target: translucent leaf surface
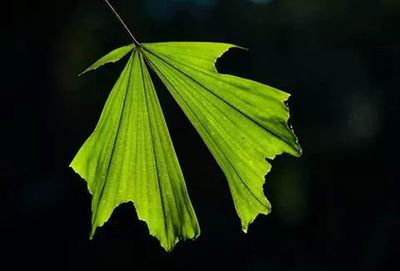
(130, 157)
(241, 121)
(111, 57)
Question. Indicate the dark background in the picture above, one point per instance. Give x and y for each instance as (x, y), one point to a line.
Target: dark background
(335, 208)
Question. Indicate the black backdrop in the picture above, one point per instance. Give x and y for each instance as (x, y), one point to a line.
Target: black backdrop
(335, 208)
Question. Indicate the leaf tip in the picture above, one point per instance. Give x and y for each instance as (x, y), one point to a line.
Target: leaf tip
(82, 73)
(170, 246)
(242, 48)
(299, 150)
(246, 223)
(92, 232)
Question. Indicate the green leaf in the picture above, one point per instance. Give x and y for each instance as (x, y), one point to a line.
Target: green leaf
(241, 121)
(111, 57)
(130, 157)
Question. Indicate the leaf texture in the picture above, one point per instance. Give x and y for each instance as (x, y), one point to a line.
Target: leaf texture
(130, 156)
(240, 120)
(111, 57)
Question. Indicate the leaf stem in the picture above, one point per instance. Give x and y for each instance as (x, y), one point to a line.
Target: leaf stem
(122, 23)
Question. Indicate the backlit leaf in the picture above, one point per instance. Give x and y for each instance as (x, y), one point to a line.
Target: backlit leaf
(130, 157)
(240, 120)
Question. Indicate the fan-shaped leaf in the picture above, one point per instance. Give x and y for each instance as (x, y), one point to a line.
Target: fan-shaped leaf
(130, 157)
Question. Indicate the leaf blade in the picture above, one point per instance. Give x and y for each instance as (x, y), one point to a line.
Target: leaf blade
(241, 121)
(111, 57)
(206, 55)
(141, 165)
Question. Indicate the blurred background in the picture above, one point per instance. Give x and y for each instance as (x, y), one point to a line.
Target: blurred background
(335, 208)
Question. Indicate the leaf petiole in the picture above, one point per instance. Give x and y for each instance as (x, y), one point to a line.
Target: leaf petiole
(122, 23)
